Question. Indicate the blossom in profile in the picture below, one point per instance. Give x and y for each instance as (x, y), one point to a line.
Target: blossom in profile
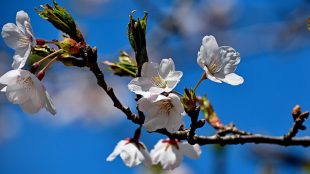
(162, 112)
(19, 37)
(155, 78)
(25, 89)
(169, 153)
(219, 63)
(132, 153)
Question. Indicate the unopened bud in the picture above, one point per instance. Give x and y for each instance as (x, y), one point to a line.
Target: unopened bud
(41, 75)
(296, 112)
(34, 67)
(40, 42)
(70, 47)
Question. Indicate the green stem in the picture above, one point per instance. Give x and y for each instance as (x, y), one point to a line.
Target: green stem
(203, 77)
(56, 53)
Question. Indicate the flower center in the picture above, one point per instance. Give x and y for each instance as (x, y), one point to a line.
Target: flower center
(27, 83)
(165, 106)
(159, 82)
(214, 65)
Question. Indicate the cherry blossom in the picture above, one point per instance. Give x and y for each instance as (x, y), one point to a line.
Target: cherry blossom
(131, 153)
(219, 63)
(162, 112)
(155, 78)
(19, 37)
(169, 153)
(25, 89)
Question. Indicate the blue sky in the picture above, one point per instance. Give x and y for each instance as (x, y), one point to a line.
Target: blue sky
(276, 79)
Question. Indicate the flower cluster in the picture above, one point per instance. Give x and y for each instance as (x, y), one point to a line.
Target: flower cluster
(21, 86)
(163, 108)
(168, 153)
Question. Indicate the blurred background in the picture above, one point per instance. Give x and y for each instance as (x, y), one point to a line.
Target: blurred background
(274, 44)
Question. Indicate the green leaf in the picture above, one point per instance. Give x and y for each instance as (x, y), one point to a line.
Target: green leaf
(136, 36)
(62, 20)
(209, 113)
(126, 66)
(189, 100)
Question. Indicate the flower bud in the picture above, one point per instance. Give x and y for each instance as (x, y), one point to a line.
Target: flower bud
(40, 42)
(70, 47)
(34, 67)
(62, 20)
(41, 75)
(296, 112)
(136, 36)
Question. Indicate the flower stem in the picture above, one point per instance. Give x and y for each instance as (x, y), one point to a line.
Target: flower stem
(56, 53)
(176, 92)
(203, 77)
(49, 63)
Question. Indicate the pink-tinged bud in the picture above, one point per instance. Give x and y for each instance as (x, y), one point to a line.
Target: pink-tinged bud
(41, 75)
(296, 112)
(40, 41)
(34, 67)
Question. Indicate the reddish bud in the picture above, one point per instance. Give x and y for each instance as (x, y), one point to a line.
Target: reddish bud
(40, 41)
(41, 75)
(34, 68)
(296, 112)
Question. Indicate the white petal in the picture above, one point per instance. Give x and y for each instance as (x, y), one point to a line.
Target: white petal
(210, 76)
(192, 151)
(149, 69)
(154, 121)
(30, 107)
(131, 155)
(207, 49)
(117, 150)
(21, 18)
(171, 159)
(11, 35)
(173, 79)
(229, 58)
(176, 103)
(3, 89)
(29, 32)
(157, 151)
(174, 122)
(140, 85)
(9, 77)
(146, 103)
(49, 106)
(233, 79)
(20, 57)
(17, 94)
(165, 67)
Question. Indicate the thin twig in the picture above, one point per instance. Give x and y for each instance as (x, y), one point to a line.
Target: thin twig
(90, 55)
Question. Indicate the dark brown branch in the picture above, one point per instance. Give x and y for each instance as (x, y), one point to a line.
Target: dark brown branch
(231, 129)
(298, 125)
(221, 137)
(90, 57)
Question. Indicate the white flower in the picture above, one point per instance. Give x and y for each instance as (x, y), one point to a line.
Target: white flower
(155, 78)
(19, 37)
(162, 112)
(169, 153)
(219, 63)
(25, 89)
(131, 153)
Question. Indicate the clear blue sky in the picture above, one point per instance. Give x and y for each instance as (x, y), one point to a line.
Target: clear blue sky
(276, 79)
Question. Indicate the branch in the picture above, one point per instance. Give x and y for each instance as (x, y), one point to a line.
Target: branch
(237, 136)
(90, 57)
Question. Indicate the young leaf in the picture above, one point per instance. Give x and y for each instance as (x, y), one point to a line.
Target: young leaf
(126, 66)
